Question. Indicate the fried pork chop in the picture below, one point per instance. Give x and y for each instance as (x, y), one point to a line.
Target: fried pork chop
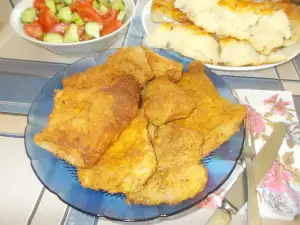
(179, 174)
(163, 67)
(83, 124)
(214, 117)
(164, 102)
(130, 60)
(126, 165)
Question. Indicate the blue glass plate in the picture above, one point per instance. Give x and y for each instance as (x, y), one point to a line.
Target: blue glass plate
(61, 178)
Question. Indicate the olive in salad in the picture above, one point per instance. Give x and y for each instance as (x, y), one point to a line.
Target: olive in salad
(70, 21)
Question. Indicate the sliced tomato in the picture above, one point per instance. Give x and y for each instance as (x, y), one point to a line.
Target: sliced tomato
(39, 4)
(109, 28)
(88, 13)
(90, 2)
(105, 15)
(60, 28)
(34, 30)
(74, 3)
(81, 32)
(47, 19)
(111, 18)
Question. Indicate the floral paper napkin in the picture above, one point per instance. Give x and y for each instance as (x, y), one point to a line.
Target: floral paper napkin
(279, 193)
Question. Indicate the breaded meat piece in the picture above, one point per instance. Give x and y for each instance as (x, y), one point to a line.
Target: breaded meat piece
(163, 67)
(126, 165)
(163, 102)
(126, 61)
(179, 175)
(83, 124)
(214, 117)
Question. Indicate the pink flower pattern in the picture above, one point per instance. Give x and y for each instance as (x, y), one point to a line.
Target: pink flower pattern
(275, 190)
(277, 179)
(277, 193)
(259, 123)
(278, 106)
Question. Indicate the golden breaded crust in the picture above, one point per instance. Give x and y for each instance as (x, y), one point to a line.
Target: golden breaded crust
(214, 117)
(163, 102)
(179, 175)
(163, 67)
(126, 61)
(84, 123)
(126, 165)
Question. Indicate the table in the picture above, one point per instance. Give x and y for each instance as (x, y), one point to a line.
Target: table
(24, 69)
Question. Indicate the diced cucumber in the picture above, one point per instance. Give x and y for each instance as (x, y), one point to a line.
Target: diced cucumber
(68, 2)
(107, 3)
(28, 15)
(51, 5)
(76, 19)
(53, 38)
(65, 14)
(57, 1)
(60, 6)
(80, 22)
(121, 15)
(96, 4)
(92, 29)
(118, 5)
(71, 34)
(103, 9)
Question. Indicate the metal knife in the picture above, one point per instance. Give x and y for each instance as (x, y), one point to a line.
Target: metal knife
(262, 163)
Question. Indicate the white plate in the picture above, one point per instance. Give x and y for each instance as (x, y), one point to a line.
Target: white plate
(291, 51)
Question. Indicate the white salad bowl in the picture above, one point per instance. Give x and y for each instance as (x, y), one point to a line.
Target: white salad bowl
(79, 48)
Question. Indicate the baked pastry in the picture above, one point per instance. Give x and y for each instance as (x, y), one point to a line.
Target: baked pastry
(187, 39)
(264, 24)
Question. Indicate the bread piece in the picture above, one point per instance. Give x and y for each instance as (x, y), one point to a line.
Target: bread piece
(186, 39)
(164, 10)
(263, 24)
(241, 53)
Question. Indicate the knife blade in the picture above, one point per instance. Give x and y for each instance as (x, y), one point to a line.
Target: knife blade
(262, 163)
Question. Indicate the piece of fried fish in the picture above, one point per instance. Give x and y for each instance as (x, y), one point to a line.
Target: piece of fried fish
(126, 165)
(83, 124)
(179, 174)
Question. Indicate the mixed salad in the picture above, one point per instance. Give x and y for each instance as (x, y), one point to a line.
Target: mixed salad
(69, 21)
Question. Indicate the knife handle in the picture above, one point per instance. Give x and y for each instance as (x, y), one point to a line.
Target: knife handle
(220, 217)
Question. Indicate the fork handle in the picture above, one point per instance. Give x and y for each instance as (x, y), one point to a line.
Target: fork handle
(253, 208)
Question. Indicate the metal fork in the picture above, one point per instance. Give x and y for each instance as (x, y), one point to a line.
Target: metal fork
(249, 153)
